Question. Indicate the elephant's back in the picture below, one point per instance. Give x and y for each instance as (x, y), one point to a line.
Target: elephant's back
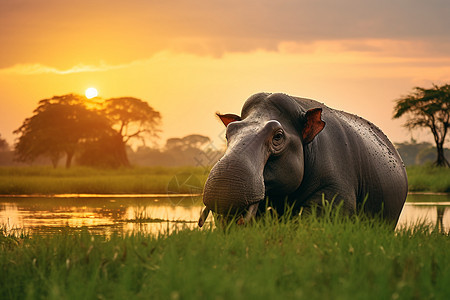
(369, 139)
(382, 175)
(362, 157)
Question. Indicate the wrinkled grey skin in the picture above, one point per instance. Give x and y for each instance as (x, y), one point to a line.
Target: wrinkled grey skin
(267, 156)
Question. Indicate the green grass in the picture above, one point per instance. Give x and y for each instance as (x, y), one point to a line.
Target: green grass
(152, 180)
(307, 258)
(80, 180)
(429, 179)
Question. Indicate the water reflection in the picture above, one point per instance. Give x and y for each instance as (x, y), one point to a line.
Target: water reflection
(157, 215)
(417, 213)
(100, 215)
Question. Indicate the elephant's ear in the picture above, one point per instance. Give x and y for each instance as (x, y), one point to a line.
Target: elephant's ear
(313, 124)
(228, 118)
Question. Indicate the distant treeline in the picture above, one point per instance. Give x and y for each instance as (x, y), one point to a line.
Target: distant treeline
(199, 150)
(414, 153)
(191, 150)
(97, 133)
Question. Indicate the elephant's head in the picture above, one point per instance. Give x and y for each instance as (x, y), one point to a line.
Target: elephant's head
(264, 155)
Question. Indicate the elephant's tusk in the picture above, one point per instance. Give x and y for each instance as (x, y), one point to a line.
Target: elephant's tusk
(203, 217)
(251, 213)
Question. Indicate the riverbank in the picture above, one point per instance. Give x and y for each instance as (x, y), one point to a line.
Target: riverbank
(82, 180)
(309, 258)
(154, 180)
(428, 179)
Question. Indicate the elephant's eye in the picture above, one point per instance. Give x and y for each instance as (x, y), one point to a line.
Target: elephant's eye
(278, 138)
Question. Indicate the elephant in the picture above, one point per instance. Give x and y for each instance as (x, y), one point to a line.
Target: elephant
(296, 151)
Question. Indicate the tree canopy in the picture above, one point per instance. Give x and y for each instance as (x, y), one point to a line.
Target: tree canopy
(132, 117)
(3, 144)
(428, 108)
(57, 127)
(190, 150)
(192, 141)
(97, 132)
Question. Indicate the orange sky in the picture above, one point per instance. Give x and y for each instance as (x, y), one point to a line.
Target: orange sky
(189, 59)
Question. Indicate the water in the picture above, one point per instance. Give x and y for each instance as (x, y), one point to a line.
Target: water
(156, 214)
(100, 214)
(428, 208)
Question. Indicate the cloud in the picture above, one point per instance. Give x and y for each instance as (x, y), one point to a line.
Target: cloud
(65, 33)
(37, 69)
(379, 52)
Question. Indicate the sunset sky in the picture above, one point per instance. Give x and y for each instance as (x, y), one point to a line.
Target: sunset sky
(191, 58)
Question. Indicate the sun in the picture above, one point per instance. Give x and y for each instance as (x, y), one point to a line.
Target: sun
(91, 93)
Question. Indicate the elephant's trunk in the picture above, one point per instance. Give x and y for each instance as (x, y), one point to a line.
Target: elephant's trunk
(232, 186)
(236, 182)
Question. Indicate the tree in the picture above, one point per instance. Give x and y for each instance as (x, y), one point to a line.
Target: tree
(192, 149)
(132, 118)
(58, 126)
(189, 142)
(3, 144)
(414, 153)
(106, 151)
(428, 108)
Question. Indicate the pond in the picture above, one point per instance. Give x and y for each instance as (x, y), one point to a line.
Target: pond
(157, 214)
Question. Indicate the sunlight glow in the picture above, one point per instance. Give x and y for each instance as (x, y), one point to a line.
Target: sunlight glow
(91, 93)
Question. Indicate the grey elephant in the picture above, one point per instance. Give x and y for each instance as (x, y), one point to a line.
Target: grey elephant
(295, 151)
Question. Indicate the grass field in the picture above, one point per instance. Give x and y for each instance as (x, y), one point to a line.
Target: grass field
(154, 180)
(307, 258)
(81, 180)
(429, 178)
